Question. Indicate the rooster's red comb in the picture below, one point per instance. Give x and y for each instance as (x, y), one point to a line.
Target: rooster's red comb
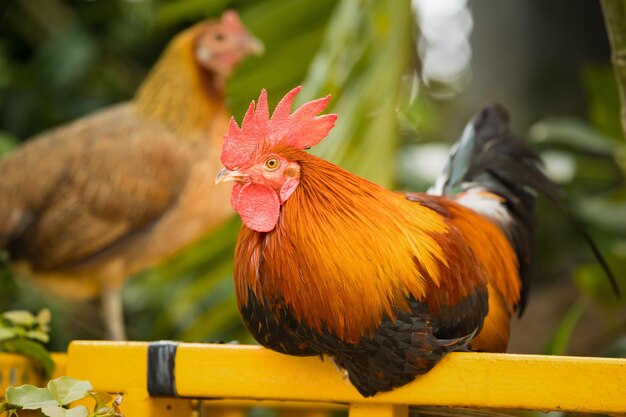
(300, 129)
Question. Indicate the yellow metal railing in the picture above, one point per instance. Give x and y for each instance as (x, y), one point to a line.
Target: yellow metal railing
(243, 375)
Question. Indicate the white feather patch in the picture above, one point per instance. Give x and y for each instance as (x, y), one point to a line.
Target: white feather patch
(488, 204)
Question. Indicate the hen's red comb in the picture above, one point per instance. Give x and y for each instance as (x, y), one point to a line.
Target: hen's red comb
(300, 129)
(231, 19)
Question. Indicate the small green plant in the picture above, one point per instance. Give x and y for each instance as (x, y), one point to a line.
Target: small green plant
(24, 333)
(55, 400)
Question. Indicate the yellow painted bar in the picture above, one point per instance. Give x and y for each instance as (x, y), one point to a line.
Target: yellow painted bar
(122, 367)
(109, 366)
(462, 379)
(60, 362)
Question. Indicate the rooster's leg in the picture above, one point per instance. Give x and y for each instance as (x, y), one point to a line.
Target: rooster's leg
(113, 313)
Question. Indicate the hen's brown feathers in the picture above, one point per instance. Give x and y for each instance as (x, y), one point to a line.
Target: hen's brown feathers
(179, 93)
(101, 188)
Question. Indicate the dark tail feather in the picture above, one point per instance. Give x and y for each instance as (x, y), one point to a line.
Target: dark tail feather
(489, 158)
(594, 248)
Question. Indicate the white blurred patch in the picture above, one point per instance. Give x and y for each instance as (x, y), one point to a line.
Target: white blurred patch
(444, 48)
(559, 166)
(424, 161)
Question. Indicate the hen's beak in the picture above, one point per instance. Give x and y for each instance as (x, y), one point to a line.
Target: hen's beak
(226, 175)
(252, 45)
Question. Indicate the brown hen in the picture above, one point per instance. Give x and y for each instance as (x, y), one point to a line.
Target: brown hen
(86, 205)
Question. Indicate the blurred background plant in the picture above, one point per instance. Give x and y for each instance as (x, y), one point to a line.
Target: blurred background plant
(24, 333)
(405, 77)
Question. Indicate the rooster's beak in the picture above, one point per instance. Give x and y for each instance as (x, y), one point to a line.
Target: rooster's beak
(226, 175)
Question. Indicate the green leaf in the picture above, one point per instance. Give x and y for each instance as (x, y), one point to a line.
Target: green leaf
(33, 349)
(67, 390)
(20, 318)
(57, 411)
(574, 133)
(38, 335)
(6, 333)
(104, 411)
(603, 212)
(101, 399)
(29, 397)
(44, 317)
(78, 411)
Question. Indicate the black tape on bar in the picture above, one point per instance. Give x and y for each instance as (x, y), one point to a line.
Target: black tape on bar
(161, 361)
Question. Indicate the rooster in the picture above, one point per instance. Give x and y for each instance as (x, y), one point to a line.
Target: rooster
(88, 204)
(386, 283)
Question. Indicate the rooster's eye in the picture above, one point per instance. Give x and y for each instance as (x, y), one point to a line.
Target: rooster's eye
(271, 164)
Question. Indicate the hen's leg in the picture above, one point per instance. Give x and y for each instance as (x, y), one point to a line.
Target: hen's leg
(113, 313)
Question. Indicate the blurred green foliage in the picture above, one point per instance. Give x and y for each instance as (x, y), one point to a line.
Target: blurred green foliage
(24, 333)
(597, 196)
(61, 59)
